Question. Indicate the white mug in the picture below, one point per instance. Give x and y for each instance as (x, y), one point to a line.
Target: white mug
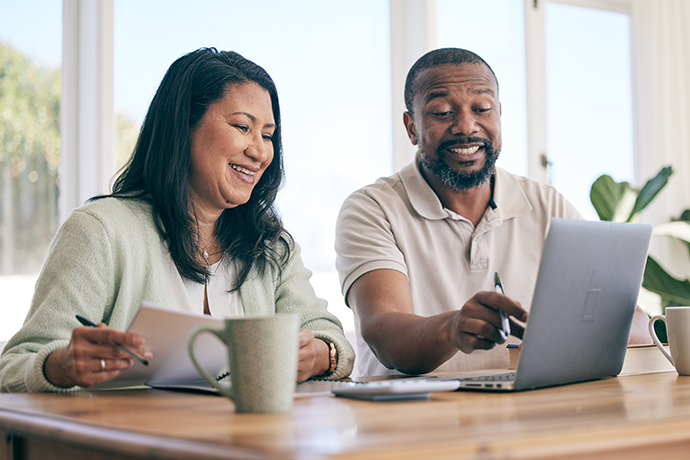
(677, 321)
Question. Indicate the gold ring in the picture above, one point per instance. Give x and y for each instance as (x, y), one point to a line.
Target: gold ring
(102, 365)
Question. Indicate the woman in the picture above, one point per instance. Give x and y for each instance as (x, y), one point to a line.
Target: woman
(190, 225)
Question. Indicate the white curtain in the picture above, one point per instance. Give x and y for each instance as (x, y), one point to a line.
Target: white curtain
(661, 56)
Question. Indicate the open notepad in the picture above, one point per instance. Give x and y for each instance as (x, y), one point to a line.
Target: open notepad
(166, 333)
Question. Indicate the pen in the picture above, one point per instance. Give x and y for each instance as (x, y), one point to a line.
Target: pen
(505, 323)
(86, 322)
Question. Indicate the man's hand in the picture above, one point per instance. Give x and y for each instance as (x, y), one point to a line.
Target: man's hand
(91, 357)
(476, 326)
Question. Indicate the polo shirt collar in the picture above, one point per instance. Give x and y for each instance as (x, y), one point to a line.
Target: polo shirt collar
(508, 195)
(422, 197)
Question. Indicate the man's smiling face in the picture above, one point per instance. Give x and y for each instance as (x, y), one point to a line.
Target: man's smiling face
(457, 123)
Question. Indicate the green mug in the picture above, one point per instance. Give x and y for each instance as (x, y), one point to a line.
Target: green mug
(262, 356)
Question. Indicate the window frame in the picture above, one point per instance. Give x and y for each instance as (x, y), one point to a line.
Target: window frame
(87, 114)
(535, 56)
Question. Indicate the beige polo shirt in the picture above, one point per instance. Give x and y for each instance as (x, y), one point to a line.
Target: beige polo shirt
(399, 223)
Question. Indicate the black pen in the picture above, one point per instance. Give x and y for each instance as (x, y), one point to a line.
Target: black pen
(505, 322)
(86, 322)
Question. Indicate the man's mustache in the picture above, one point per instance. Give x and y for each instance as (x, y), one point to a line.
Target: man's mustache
(453, 143)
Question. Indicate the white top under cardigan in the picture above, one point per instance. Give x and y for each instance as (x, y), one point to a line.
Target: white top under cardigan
(188, 296)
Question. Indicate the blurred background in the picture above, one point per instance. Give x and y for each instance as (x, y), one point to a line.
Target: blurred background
(588, 87)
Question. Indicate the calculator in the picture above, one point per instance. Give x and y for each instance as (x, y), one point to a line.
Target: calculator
(393, 390)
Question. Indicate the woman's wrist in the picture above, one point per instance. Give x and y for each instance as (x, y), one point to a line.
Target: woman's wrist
(330, 360)
(54, 371)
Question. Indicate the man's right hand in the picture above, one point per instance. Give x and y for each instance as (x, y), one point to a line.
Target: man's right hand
(82, 361)
(476, 325)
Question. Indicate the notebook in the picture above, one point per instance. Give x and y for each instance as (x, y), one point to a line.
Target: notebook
(582, 310)
(166, 333)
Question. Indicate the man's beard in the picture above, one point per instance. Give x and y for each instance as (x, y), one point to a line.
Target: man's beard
(456, 180)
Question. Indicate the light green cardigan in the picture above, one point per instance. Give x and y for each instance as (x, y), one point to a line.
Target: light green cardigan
(105, 259)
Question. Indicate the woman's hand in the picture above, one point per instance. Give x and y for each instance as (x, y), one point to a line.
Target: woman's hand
(314, 356)
(91, 357)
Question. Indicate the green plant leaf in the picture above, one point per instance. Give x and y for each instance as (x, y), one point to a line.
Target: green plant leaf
(625, 205)
(670, 303)
(685, 217)
(606, 195)
(650, 190)
(678, 229)
(670, 289)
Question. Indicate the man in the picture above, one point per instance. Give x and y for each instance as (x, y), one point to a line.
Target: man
(417, 251)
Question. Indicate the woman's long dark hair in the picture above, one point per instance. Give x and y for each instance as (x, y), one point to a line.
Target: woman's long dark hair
(158, 171)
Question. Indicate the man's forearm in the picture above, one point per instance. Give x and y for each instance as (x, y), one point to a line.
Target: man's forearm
(410, 343)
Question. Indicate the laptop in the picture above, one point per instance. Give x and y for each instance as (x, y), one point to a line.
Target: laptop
(582, 310)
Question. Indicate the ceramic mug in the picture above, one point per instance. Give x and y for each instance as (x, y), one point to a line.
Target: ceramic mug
(677, 321)
(262, 355)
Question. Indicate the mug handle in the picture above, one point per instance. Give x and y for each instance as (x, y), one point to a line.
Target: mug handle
(657, 342)
(226, 391)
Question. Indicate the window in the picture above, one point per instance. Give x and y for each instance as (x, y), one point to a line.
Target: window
(589, 100)
(331, 65)
(30, 56)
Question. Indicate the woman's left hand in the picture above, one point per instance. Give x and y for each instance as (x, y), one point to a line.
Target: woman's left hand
(314, 358)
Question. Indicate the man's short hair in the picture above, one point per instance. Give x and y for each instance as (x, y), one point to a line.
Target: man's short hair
(436, 58)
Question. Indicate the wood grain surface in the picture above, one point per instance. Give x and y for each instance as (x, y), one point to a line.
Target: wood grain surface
(640, 416)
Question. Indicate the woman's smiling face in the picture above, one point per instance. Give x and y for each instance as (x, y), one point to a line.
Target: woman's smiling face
(231, 147)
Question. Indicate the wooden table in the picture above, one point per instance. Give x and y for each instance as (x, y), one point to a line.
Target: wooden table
(642, 416)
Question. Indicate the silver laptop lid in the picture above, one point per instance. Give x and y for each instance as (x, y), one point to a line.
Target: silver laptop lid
(584, 301)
